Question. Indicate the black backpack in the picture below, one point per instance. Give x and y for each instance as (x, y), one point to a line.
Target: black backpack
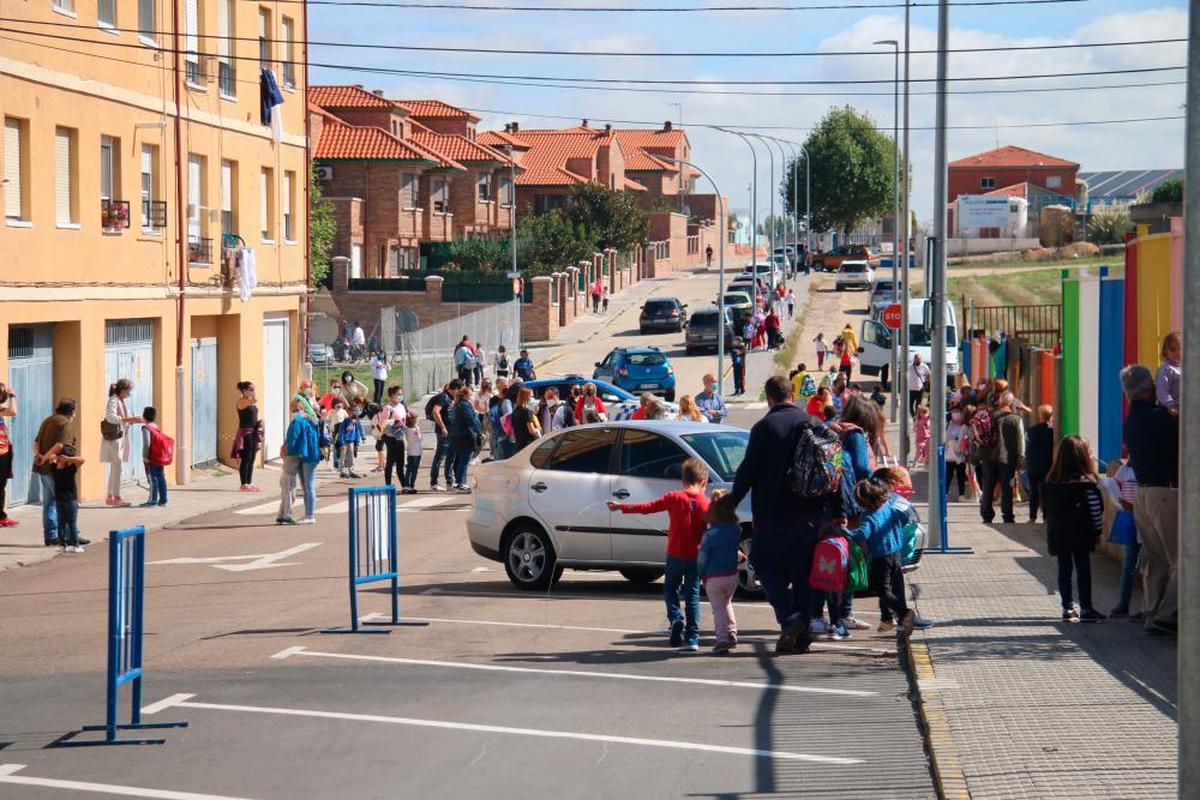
(817, 462)
(430, 405)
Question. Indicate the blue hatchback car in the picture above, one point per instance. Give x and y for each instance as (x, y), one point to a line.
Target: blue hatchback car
(638, 369)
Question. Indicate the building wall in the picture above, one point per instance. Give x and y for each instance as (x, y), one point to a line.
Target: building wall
(967, 180)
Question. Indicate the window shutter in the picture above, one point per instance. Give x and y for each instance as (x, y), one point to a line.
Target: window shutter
(193, 195)
(191, 26)
(264, 205)
(223, 12)
(226, 186)
(62, 176)
(146, 19)
(106, 168)
(13, 189)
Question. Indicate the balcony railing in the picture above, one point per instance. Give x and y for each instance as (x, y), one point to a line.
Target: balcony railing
(154, 214)
(114, 215)
(199, 250)
(227, 78)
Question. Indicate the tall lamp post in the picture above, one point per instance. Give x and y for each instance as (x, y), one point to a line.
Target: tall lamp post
(512, 231)
(753, 209)
(782, 163)
(901, 379)
(895, 207)
(770, 214)
(937, 273)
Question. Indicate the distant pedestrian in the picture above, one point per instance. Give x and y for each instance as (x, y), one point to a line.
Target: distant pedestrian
(349, 434)
(464, 361)
(790, 299)
(849, 338)
(525, 427)
(301, 453)
(846, 363)
(878, 397)
(688, 411)
(771, 325)
(822, 350)
(1074, 520)
(596, 291)
(466, 436)
(66, 501)
(56, 432)
(412, 450)
(708, 255)
(524, 367)
(604, 301)
(918, 380)
(1012, 452)
(1124, 526)
(8, 408)
(644, 401)
(709, 402)
(922, 423)
(686, 510)
(1168, 382)
(155, 472)
(480, 363)
(500, 360)
(438, 411)
(881, 528)
(115, 447)
(379, 374)
(956, 456)
(717, 562)
(737, 358)
(1039, 455)
(589, 407)
(249, 438)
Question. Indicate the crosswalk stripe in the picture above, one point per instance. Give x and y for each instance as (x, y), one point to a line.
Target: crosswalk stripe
(341, 506)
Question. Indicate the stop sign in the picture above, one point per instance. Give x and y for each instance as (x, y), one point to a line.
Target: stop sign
(892, 316)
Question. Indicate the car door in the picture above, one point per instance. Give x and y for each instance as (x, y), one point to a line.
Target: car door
(875, 347)
(606, 369)
(569, 494)
(648, 466)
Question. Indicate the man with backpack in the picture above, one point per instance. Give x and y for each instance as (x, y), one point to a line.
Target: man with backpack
(1012, 451)
(437, 410)
(984, 452)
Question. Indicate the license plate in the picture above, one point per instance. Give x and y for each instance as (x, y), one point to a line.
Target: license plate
(647, 385)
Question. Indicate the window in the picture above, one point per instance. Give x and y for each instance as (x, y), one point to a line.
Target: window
(506, 191)
(289, 62)
(356, 261)
(584, 451)
(66, 177)
(438, 194)
(266, 188)
(484, 182)
(147, 18)
(289, 206)
(195, 196)
(151, 220)
(64, 6)
(16, 169)
(264, 38)
(987, 183)
(541, 454)
(106, 13)
(648, 455)
(226, 31)
(1053, 181)
(228, 199)
(114, 213)
(408, 190)
(723, 452)
(191, 42)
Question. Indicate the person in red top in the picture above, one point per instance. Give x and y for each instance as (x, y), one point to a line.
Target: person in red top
(643, 406)
(588, 407)
(687, 509)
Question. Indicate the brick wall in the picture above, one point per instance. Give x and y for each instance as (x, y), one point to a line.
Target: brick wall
(967, 180)
(539, 320)
(348, 216)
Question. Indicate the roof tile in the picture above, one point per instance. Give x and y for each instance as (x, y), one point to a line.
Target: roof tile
(434, 109)
(339, 141)
(346, 97)
(1012, 156)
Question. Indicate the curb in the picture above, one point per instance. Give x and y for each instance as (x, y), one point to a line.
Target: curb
(948, 776)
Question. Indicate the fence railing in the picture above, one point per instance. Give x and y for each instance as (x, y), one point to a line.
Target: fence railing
(1037, 324)
(199, 250)
(154, 214)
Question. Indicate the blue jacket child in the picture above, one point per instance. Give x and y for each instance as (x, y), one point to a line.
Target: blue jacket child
(302, 440)
(719, 550)
(883, 528)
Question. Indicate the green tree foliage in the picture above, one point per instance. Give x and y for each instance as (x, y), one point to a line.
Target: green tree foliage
(322, 230)
(1109, 224)
(479, 254)
(550, 243)
(1169, 191)
(851, 175)
(781, 226)
(607, 218)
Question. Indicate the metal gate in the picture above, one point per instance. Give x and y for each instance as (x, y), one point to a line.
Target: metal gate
(276, 385)
(204, 402)
(129, 353)
(31, 376)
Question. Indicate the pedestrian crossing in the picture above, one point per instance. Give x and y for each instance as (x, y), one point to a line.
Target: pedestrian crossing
(421, 503)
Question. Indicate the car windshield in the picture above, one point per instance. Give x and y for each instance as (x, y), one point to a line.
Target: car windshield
(646, 359)
(659, 306)
(920, 336)
(736, 299)
(707, 320)
(723, 450)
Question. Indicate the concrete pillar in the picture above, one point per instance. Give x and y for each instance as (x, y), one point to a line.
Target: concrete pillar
(340, 268)
(433, 289)
(614, 284)
(537, 323)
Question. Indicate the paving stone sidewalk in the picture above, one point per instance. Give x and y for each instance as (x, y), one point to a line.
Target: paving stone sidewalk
(1038, 708)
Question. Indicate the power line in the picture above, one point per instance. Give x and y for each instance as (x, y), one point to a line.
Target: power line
(661, 9)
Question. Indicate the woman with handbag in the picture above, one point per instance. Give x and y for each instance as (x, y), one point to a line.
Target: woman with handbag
(114, 450)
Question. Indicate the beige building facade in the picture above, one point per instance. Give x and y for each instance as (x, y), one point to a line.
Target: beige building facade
(124, 165)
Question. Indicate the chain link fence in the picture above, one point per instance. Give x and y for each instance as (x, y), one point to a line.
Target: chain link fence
(425, 353)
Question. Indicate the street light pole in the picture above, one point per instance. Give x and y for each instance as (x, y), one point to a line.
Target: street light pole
(782, 164)
(753, 210)
(901, 378)
(770, 216)
(937, 287)
(895, 206)
(512, 231)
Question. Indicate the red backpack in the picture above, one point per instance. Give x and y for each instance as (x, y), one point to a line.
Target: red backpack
(162, 447)
(831, 564)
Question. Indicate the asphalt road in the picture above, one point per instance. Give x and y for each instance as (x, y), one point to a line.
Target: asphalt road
(502, 693)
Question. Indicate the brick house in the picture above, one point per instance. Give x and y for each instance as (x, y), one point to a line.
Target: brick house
(1008, 166)
(649, 161)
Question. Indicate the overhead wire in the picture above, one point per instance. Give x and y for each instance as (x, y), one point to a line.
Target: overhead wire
(760, 7)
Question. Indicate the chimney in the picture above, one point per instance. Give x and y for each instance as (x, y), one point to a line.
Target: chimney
(377, 92)
(583, 124)
(506, 127)
(608, 127)
(515, 127)
(667, 126)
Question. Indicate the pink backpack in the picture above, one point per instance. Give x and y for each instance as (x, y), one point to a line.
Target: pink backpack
(831, 564)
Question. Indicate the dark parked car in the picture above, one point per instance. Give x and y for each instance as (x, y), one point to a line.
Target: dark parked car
(662, 314)
(703, 329)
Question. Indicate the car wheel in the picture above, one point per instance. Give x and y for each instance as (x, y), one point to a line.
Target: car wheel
(748, 583)
(669, 395)
(529, 557)
(642, 576)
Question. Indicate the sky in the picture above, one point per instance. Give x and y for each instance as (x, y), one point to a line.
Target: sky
(978, 121)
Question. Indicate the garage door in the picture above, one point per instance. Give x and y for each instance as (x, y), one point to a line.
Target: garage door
(276, 384)
(31, 376)
(204, 402)
(129, 353)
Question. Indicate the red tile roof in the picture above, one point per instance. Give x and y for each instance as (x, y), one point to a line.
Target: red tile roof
(650, 138)
(434, 108)
(549, 151)
(1016, 190)
(500, 139)
(346, 97)
(1012, 156)
(339, 141)
(455, 147)
(632, 185)
(639, 160)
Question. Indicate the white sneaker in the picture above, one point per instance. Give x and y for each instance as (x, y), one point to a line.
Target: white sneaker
(437, 487)
(855, 624)
(307, 521)
(818, 626)
(77, 548)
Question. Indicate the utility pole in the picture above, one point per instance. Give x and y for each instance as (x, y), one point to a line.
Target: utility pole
(900, 381)
(770, 218)
(720, 275)
(512, 234)
(937, 283)
(895, 206)
(753, 211)
(1189, 439)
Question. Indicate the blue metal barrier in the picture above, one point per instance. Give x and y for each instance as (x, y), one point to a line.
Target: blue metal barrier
(126, 595)
(944, 547)
(373, 551)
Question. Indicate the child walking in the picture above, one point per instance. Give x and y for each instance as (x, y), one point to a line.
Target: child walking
(822, 349)
(1074, 512)
(412, 449)
(921, 424)
(350, 434)
(718, 564)
(881, 528)
(155, 473)
(686, 509)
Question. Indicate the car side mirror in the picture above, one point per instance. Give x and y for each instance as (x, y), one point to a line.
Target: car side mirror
(597, 363)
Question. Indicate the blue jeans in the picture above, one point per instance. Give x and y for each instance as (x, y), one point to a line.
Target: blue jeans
(1128, 567)
(68, 516)
(412, 466)
(49, 511)
(308, 483)
(441, 456)
(782, 560)
(683, 582)
(463, 450)
(158, 484)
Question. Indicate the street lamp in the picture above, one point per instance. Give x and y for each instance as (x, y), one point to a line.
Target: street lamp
(753, 210)
(512, 230)
(782, 159)
(895, 205)
(720, 275)
(902, 378)
(771, 213)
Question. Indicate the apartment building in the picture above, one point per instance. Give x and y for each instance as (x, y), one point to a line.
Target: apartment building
(135, 162)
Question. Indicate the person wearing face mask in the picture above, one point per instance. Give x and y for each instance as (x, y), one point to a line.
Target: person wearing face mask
(956, 459)
(711, 404)
(305, 402)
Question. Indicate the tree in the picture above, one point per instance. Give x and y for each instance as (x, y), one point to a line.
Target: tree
(781, 226)
(1169, 191)
(607, 218)
(550, 243)
(477, 253)
(1109, 224)
(322, 231)
(851, 174)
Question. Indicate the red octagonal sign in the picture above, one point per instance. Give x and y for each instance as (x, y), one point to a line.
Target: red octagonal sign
(892, 316)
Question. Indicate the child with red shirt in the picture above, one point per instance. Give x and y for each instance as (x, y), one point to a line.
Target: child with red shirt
(687, 510)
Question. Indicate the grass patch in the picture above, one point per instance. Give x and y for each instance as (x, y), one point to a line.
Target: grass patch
(322, 375)
(1069, 263)
(1030, 287)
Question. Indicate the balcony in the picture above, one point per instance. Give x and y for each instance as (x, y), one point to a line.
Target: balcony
(154, 214)
(114, 215)
(199, 250)
(227, 79)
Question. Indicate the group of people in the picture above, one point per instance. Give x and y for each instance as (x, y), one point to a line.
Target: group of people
(471, 363)
(598, 291)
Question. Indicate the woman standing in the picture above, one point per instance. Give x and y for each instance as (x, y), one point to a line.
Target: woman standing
(1170, 373)
(688, 410)
(8, 408)
(525, 425)
(114, 450)
(354, 392)
(1074, 520)
(248, 440)
(379, 372)
(466, 436)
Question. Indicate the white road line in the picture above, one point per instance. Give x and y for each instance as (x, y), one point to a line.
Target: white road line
(248, 562)
(261, 508)
(8, 775)
(754, 406)
(424, 502)
(624, 676)
(342, 506)
(375, 615)
(535, 732)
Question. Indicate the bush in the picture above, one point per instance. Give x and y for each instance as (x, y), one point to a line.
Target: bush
(1109, 224)
(477, 254)
(1169, 191)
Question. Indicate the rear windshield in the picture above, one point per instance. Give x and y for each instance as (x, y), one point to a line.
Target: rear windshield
(646, 359)
(658, 306)
(736, 299)
(851, 266)
(704, 320)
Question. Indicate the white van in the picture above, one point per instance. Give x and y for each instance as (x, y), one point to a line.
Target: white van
(875, 341)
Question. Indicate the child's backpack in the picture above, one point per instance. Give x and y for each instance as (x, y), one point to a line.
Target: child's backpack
(349, 432)
(858, 578)
(983, 429)
(162, 447)
(590, 414)
(507, 426)
(831, 564)
(808, 386)
(817, 462)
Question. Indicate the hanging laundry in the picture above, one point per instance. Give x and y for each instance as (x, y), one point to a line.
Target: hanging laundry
(269, 98)
(247, 274)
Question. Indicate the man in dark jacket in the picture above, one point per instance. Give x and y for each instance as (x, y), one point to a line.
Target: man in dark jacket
(1039, 454)
(1012, 452)
(786, 525)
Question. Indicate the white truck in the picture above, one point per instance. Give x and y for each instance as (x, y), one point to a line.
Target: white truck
(875, 340)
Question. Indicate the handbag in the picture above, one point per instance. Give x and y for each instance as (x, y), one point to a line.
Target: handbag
(111, 431)
(1124, 531)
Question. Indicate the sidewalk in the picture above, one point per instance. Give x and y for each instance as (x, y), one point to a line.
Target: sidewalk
(1021, 705)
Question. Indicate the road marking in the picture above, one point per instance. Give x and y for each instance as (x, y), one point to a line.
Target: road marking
(251, 562)
(262, 508)
(481, 569)
(165, 703)
(754, 406)
(535, 732)
(376, 615)
(625, 676)
(8, 775)
(424, 502)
